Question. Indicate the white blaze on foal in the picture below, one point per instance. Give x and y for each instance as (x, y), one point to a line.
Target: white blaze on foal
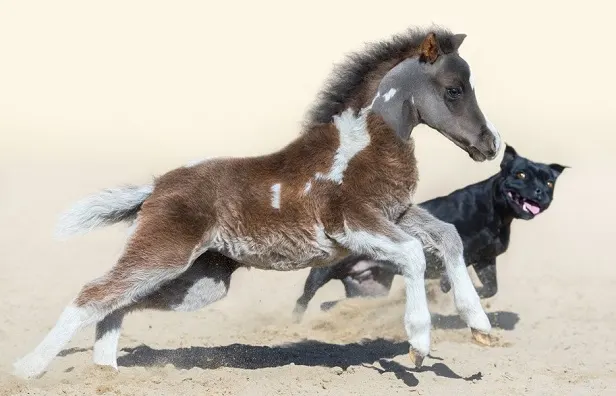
(354, 137)
(276, 196)
(489, 124)
(389, 94)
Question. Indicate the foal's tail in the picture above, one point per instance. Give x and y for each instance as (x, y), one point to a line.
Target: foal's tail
(107, 207)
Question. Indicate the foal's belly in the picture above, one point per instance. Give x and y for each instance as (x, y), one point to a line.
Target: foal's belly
(281, 251)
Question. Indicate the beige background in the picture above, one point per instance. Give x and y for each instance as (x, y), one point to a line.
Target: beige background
(96, 94)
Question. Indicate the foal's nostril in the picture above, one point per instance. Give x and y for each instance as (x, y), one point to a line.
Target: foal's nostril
(493, 145)
(488, 135)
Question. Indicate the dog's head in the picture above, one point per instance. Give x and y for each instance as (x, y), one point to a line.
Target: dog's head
(527, 186)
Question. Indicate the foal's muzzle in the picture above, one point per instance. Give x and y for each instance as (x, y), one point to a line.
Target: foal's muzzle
(487, 146)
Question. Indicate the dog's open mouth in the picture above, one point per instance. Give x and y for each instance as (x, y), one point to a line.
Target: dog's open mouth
(526, 204)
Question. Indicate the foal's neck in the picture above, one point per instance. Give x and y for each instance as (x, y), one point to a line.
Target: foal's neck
(394, 100)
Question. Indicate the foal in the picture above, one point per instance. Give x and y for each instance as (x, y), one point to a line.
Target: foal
(344, 186)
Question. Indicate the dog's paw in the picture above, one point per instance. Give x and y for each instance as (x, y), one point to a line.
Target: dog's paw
(445, 285)
(486, 292)
(298, 313)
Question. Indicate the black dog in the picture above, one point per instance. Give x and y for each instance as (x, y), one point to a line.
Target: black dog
(482, 214)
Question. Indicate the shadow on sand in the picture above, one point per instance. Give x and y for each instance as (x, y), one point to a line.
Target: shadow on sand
(306, 353)
(500, 320)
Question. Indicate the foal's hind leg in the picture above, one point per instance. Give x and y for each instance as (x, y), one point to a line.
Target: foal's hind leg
(204, 283)
(443, 239)
(159, 251)
(107, 336)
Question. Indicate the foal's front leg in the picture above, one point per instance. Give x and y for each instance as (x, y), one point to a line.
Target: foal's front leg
(385, 241)
(443, 239)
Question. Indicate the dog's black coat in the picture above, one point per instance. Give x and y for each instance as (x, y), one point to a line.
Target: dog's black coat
(482, 213)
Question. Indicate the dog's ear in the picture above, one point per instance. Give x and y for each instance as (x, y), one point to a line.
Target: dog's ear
(509, 156)
(558, 169)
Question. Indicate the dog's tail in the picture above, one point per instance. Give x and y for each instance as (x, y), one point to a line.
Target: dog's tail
(107, 207)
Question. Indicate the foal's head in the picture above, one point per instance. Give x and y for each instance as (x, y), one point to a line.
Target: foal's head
(436, 88)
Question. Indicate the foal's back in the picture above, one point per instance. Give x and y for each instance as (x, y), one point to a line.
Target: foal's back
(265, 210)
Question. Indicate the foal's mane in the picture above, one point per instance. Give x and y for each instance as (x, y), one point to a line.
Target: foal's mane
(351, 79)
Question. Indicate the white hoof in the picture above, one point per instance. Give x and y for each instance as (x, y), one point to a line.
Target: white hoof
(479, 321)
(106, 362)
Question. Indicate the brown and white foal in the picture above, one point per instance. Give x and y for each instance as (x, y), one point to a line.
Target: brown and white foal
(344, 186)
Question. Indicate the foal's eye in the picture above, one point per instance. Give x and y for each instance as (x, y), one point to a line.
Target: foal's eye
(550, 184)
(454, 92)
(520, 175)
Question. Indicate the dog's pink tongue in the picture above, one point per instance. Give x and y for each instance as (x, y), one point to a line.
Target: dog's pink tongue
(529, 207)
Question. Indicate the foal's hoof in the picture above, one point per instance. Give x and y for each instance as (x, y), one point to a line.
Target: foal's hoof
(481, 338)
(416, 357)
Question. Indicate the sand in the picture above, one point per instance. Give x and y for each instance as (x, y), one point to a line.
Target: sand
(97, 95)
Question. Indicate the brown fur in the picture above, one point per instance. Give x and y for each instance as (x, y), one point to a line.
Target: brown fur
(188, 204)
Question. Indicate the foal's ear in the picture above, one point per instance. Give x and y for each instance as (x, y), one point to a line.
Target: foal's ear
(429, 49)
(456, 40)
(510, 154)
(558, 169)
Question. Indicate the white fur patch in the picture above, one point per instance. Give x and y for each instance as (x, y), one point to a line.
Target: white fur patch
(35, 363)
(389, 94)
(494, 131)
(106, 207)
(203, 292)
(106, 348)
(322, 241)
(378, 95)
(275, 196)
(412, 99)
(308, 186)
(354, 137)
(107, 336)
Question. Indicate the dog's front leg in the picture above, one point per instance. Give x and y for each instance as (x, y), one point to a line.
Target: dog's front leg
(486, 272)
(317, 278)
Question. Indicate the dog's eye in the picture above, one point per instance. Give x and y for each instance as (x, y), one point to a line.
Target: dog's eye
(520, 175)
(550, 184)
(454, 93)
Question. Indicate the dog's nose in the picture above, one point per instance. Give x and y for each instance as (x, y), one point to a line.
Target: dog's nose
(538, 193)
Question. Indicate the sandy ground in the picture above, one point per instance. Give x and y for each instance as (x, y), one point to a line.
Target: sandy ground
(93, 96)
